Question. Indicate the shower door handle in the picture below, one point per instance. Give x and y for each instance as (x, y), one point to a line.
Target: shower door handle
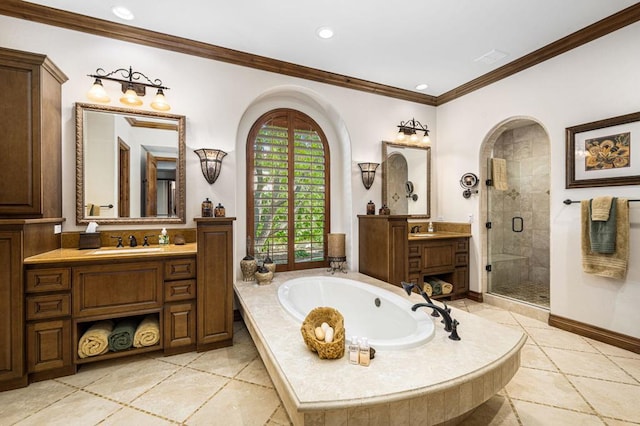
(517, 224)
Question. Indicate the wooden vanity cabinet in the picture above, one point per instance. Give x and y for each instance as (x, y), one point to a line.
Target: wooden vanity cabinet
(215, 283)
(30, 170)
(387, 253)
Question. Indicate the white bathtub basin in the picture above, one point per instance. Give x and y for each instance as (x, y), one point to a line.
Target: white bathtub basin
(391, 325)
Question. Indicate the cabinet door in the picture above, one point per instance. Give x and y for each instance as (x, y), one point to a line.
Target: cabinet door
(48, 345)
(215, 284)
(179, 325)
(438, 257)
(117, 288)
(11, 309)
(461, 280)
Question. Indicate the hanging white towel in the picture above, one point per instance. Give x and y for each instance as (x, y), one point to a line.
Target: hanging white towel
(499, 173)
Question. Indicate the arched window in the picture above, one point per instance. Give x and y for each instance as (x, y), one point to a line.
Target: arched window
(288, 190)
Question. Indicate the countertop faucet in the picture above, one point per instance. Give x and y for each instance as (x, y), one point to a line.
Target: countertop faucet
(450, 325)
(415, 229)
(132, 241)
(119, 241)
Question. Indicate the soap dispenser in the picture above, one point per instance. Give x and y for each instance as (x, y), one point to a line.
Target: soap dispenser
(364, 355)
(163, 238)
(354, 351)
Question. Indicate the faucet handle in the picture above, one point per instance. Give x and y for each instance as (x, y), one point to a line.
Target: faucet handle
(146, 240)
(119, 240)
(454, 330)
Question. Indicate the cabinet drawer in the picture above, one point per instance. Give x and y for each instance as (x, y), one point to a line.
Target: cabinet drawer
(462, 245)
(462, 259)
(112, 289)
(414, 264)
(49, 306)
(180, 269)
(414, 250)
(179, 290)
(54, 279)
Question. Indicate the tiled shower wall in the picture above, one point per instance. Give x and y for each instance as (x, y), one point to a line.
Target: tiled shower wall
(526, 150)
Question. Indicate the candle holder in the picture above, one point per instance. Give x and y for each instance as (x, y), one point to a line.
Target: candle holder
(337, 264)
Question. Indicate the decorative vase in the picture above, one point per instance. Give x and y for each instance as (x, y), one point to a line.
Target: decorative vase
(263, 275)
(249, 266)
(207, 208)
(219, 211)
(384, 210)
(268, 263)
(371, 207)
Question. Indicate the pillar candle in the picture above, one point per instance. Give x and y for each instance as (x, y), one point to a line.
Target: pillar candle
(336, 245)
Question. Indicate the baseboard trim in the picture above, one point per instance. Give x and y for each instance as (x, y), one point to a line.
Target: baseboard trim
(607, 336)
(475, 296)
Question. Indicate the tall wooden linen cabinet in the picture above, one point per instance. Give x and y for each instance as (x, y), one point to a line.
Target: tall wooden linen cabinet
(215, 282)
(30, 189)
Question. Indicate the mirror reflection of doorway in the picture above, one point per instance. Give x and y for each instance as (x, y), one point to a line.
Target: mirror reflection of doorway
(124, 183)
(150, 186)
(396, 183)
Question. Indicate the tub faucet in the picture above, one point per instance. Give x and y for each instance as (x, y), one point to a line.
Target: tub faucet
(450, 325)
(408, 287)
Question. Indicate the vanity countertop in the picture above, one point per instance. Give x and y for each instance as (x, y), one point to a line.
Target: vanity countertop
(109, 253)
(439, 235)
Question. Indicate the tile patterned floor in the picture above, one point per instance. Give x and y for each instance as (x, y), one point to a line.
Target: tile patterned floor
(564, 379)
(529, 292)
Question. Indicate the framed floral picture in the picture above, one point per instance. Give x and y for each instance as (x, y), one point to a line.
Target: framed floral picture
(604, 152)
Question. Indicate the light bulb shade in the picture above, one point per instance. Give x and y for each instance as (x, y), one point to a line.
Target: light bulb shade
(97, 92)
(400, 136)
(210, 163)
(368, 171)
(426, 139)
(160, 102)
(413, 138)
(130, 98)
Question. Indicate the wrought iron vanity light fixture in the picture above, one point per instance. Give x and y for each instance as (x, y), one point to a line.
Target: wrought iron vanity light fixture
(409, 128)
(210, 162)
(133, 86)
(368, 171)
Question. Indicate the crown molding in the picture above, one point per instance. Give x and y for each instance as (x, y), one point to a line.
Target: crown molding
(55, 17)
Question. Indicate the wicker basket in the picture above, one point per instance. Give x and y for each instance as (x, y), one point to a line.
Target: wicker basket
(316, 317)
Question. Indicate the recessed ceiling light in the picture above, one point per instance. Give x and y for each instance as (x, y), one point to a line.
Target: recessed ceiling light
(324, 32)
(422, 86)
(122, 13)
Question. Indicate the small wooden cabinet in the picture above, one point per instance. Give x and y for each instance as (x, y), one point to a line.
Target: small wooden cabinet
(387, 253)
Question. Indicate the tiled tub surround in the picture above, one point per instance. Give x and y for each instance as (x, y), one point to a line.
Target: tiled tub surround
(439, 382)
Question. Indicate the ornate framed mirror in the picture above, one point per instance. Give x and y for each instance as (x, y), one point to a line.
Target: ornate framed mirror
(406, 178)
(130, 166)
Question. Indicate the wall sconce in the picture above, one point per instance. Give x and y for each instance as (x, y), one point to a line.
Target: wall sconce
(409, 128)
(210, 162)
(132, 86)
(469, 181)
(368, 171)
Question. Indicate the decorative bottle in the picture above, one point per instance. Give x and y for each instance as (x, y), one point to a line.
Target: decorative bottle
(354, 351)
(219, 211)
(430, 228)
(207, 208)
(371, 207)
(364, 355)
